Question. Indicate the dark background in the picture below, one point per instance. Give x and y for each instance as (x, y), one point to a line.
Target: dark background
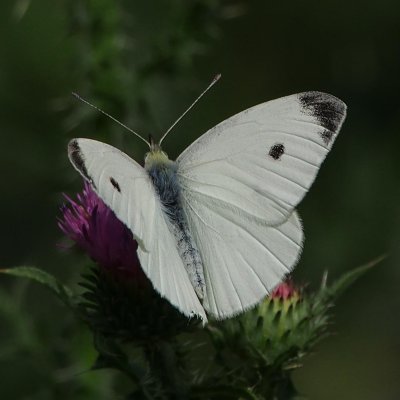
(144, 62)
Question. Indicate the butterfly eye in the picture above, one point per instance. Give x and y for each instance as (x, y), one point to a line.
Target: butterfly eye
(115, 184)
(276, 151)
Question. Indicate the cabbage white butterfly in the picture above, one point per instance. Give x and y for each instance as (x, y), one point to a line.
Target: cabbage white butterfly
(217, 228)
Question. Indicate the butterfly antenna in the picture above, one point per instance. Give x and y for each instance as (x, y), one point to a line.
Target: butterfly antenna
(109, 116)
(213, 82)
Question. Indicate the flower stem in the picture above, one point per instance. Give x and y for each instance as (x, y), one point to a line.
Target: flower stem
(165, 360)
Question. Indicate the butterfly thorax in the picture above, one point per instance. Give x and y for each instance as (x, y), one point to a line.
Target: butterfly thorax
(163, 173)
(156, 157)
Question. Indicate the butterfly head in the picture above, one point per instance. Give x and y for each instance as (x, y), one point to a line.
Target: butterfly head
(156, 157)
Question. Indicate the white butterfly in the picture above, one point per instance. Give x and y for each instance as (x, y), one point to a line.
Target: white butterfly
(217, 228)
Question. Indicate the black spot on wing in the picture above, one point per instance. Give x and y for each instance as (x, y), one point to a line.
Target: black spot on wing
(77, 158)
(327, 109)
(115, 184)
(276, 151)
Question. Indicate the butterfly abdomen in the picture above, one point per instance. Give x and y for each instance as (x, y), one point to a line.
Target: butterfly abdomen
(167, 186)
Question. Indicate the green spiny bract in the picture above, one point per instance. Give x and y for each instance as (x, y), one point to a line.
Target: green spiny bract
(258, 349)
(129, 310)
(273, 335)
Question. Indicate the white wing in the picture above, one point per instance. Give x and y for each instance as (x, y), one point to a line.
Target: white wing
(262, 161)
(126, 188)
(243, 260)
(240, 184)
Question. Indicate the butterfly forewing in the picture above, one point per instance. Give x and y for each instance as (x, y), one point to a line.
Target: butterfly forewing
(262, 161)
(126, 188)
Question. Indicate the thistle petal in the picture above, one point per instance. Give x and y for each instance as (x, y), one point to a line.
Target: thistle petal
(95, 229)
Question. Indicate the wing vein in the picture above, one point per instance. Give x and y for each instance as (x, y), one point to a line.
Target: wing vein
(302, 160)
(231, 191)
(254, 272)
(287, 179)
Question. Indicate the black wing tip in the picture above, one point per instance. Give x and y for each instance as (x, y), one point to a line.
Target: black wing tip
(73, 146)
(314, 96)
(78, 160)
(75, 155)
(329, 110)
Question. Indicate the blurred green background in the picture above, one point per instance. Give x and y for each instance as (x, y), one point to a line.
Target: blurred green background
(144, 62)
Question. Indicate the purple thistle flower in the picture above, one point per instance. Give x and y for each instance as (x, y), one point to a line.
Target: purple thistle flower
(93, 226)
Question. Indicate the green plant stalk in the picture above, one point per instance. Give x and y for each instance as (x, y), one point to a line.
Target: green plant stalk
(166, 362)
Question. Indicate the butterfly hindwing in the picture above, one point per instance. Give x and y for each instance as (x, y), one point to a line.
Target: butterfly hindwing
(126, 188)
(243, 260)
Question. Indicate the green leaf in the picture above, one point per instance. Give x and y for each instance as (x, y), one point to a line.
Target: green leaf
(64, 293)
(346, 280)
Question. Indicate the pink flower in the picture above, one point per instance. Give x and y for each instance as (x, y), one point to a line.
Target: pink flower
(93, 226)
(285, 290)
